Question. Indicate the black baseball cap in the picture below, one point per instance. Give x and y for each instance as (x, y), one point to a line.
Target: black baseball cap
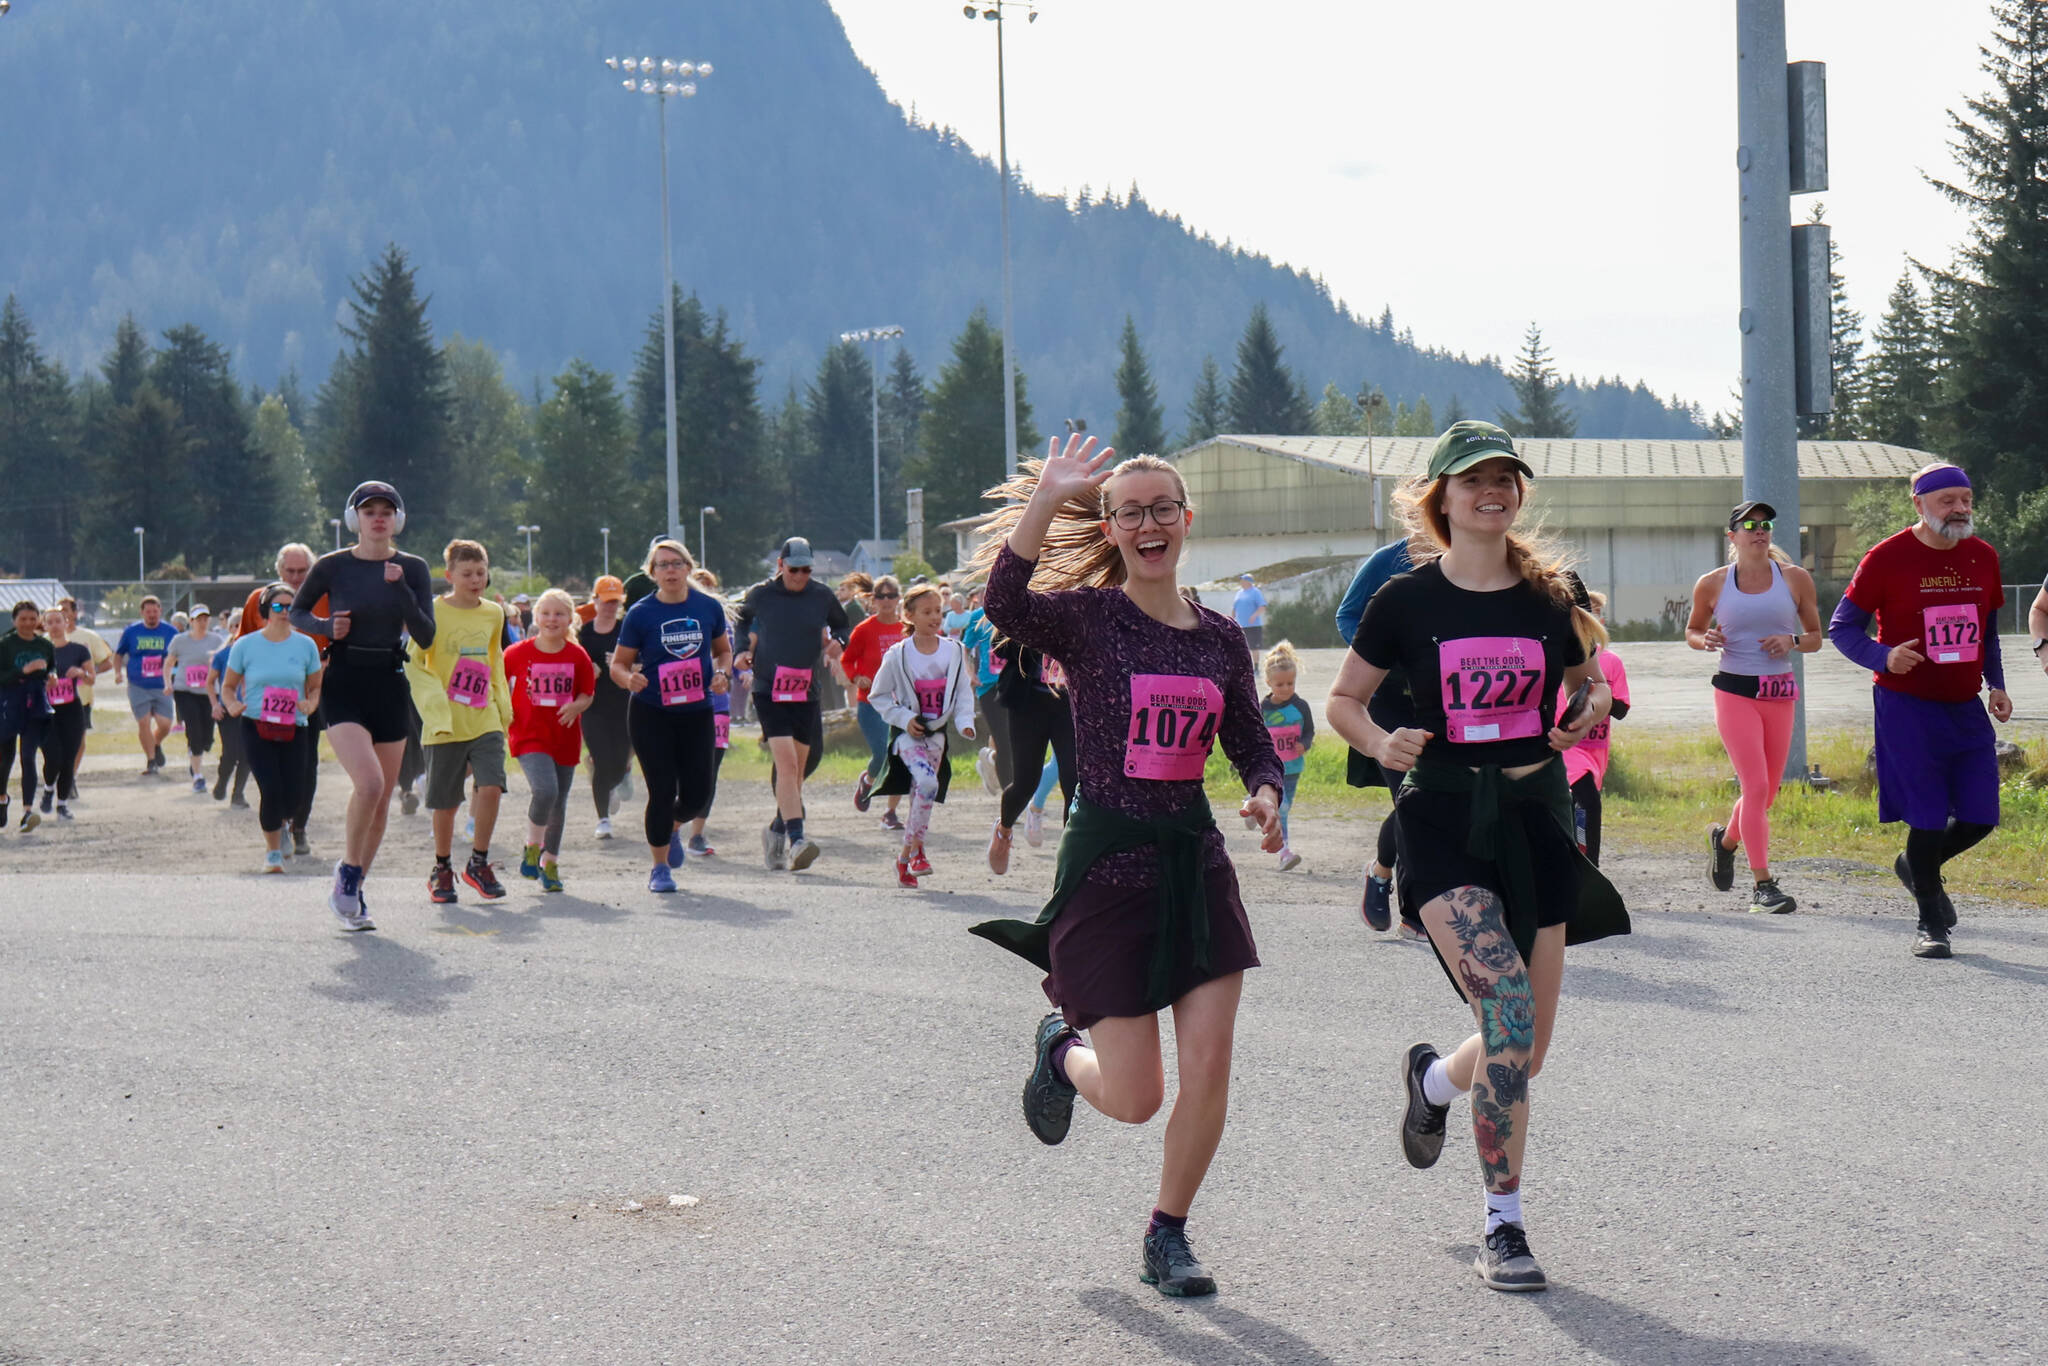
(374, 488)
(1744, 511)
(795, 552)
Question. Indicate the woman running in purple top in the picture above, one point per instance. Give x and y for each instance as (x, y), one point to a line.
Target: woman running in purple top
(1145, 912)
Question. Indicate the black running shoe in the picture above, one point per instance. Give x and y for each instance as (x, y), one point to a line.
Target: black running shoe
(1379, 903)
(1170, 1264)
(1422, 1124)
(1505, 1262)
(1769, 899)
(299, 846)
(1932, 941)
(441, 885)
(48, 798)
(1048, 1101)
(1720, 861)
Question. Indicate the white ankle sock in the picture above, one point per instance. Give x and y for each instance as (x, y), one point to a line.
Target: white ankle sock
(1437, 1086)
(1503, 1209)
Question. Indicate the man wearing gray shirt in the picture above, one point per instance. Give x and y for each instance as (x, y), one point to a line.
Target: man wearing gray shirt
(782, 622)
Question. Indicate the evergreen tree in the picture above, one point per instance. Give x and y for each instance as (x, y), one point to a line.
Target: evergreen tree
(1416, 421)
(127, 365)
(648, 470)
(490, 446)
(721, 451)
(225, 505)
(1899, 379)
(1206, 410)
(960, 444)
(279, 446)
(584, 437)
(397, 426)
(1263, 395)
(39, 502)
(1337, 415)
(1140, 421)
(904, 401)
(832, 498)
(1845, 350)
(1542, 412)
(1998, 404)
(1454, 413)
(146, 449)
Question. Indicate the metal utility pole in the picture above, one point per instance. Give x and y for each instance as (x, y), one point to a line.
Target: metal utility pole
(993, 10)
(877, 335)
(1770, 356)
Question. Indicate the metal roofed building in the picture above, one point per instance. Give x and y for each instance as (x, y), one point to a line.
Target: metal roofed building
(1645, 517)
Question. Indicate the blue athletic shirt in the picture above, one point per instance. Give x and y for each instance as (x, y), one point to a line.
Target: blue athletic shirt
(663, 633)
(141, 642)
(265, 663)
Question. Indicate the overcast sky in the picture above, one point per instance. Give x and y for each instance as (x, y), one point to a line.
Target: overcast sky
(1477, 166)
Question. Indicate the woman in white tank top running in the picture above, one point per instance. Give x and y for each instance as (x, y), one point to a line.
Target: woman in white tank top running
(1756, 612)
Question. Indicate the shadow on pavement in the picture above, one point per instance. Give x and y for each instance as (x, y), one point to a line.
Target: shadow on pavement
(1250, 1339)
(1998, 967)
(723, 910)
(387, 973)
(515, 921)
(1607, 984)
(1623, 1333)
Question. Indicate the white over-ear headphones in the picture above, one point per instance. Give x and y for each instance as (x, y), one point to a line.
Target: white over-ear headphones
(374, 488)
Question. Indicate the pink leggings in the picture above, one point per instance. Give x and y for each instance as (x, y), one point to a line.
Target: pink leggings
(1758, 735)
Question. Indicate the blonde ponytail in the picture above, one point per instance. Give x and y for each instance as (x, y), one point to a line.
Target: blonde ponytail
(1282, 658)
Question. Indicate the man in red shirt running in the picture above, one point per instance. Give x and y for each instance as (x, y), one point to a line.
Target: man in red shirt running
(1935, 591)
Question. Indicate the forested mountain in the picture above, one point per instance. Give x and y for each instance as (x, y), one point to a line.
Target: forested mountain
(232, 165)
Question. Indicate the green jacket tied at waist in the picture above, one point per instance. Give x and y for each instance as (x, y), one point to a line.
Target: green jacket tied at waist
(1183, 908)
(1505, 844)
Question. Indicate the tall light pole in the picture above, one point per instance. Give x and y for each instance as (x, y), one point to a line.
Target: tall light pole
(335, 522)
(993, 10)
(678, 79)
(529, 530)
(606, 532)
(878, 335)
(703, 551)
(141, 574)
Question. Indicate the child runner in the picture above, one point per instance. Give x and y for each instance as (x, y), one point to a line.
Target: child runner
(458, 684)
(1756, 612)
(1293, 728)
(141, 653)
(1145, 912)
(992, 762)
(270, 689)
(921, 683)
(865, 645)
(604, 725)
(26, 658)
(377, 594)
(187, 661)
(71, 672)
(1585, 764)
(1484, 631)
(552, 685)
(668, 639)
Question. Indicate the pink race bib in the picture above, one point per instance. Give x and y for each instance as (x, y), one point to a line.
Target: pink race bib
(470, 684)
(1173, 724)
(59, 691)
(1491, 688)
(721, 728)
(931, 696)
(681, 681)
(550, 685)
(151, 666)
(280, 707)
(1777, 688)
(790, 685)
(1053, 674)
(1286, 742)
(1953, 635)
(195, 678)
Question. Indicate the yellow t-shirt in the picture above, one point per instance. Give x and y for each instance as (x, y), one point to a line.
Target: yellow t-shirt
(100, 651)
(468, 641)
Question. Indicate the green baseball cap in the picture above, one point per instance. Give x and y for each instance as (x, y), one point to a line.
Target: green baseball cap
(1467, 443)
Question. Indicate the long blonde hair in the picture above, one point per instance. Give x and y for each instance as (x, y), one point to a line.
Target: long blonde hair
(1280, 659)
(1076, 551)
(1537, 558)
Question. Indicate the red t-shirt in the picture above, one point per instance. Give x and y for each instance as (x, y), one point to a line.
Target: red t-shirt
(864, 650)
(539, 692)
(1948, 600)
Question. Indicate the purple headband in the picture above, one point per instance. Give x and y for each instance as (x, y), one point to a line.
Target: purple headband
(1945, 477)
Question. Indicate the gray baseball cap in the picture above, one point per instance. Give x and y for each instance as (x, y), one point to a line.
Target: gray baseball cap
(795, 552)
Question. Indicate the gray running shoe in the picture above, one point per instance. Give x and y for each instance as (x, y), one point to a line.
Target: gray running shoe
(1505, 1262)
(1171, 1265)
(774, 849)
(1048, 1101)
(299, 846)
(802, 855)
(1422, 1124)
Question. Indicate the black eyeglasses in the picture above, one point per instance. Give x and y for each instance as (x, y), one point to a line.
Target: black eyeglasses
(883, 597)
(1165, 512)
(660, 565)
(1753, 524)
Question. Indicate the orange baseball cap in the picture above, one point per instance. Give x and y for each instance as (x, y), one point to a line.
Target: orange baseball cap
(608, 589)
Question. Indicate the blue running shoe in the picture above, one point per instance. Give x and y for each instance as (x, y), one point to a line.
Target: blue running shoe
(529, 861)
(661, 880)
(675, 848)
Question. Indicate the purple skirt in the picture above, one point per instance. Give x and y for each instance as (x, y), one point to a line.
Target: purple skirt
(1101, 948)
